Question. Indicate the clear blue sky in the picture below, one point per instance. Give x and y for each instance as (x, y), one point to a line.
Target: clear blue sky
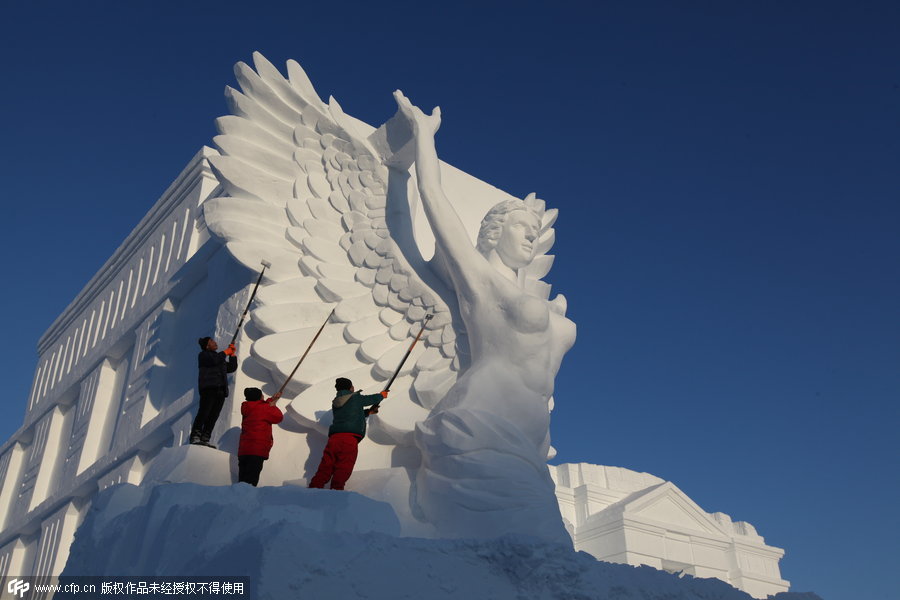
(727, 175)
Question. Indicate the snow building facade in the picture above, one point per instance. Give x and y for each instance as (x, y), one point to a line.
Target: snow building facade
(103, 400)
(622, 516)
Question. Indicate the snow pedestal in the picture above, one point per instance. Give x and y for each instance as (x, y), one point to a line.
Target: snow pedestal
(394, 487)
(294, 542)
(613, 514)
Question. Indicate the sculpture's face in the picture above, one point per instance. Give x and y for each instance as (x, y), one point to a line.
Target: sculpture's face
(516, 243)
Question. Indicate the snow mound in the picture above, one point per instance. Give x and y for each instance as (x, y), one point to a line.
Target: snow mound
(296, 542)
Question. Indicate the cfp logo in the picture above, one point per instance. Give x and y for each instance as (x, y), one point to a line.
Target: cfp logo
(17, 587)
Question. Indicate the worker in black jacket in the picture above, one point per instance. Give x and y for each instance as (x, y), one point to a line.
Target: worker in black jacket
(212, 381)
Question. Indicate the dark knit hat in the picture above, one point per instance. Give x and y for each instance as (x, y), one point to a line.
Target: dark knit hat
(342, 383)
(203, 342)
(252, 394)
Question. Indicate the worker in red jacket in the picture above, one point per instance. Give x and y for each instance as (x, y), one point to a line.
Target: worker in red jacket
(256, 433)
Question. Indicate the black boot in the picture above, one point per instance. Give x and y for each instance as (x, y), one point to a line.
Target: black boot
(195, 438)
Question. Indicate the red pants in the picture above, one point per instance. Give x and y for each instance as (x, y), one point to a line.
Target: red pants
(337, 461)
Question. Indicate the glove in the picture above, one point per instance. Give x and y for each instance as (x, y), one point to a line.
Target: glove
(229, 351)
(372, 411)
(384, 393)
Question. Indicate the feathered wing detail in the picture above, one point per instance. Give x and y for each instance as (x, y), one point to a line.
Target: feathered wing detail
(304, 190)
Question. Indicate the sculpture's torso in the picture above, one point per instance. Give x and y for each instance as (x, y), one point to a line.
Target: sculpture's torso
(517, 344)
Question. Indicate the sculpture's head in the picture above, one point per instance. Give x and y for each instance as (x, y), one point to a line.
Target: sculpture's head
(510, 228)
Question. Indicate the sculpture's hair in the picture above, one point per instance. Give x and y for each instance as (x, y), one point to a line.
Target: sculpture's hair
(493, 221)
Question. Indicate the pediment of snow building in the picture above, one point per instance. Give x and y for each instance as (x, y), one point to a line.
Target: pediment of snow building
(669, 506)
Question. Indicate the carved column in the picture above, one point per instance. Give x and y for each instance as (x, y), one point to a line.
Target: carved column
(10, 473)
(14, 559)
(42, 462)
(139, 406)
(57, 533)
(93, 420)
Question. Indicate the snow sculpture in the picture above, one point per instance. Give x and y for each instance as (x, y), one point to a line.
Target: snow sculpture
(334, 212)
(114, 391)
(496, 417)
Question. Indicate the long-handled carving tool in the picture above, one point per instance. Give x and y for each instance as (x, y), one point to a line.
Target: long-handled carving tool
(289, 377)
(374, 409)
(265, 265)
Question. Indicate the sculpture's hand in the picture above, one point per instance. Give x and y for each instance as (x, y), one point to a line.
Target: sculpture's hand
(418, 120)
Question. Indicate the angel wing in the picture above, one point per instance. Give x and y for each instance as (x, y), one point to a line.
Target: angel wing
(305, 189)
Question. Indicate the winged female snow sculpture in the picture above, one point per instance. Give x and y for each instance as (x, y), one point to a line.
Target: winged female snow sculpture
(484, 447)
(310, 189)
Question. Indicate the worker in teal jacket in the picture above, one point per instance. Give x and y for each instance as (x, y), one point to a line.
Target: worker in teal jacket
(346, 432)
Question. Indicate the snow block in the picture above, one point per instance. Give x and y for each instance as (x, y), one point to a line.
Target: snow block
(191, 463)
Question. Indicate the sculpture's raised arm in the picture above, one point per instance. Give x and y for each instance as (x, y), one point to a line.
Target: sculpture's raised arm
(448, 229)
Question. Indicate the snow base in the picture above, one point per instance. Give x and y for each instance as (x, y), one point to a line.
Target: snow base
(294, 542)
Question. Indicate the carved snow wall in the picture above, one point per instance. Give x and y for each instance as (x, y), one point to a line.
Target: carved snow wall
(634, 518)
(99, 409)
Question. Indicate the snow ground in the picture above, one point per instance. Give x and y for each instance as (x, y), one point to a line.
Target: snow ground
(294, 542)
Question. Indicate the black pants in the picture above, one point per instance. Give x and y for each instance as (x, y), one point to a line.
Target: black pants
(249, 468)
(211, 402)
